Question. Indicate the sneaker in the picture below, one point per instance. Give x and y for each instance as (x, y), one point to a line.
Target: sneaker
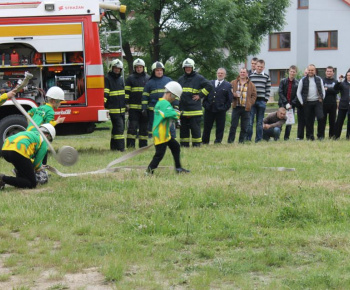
(181, 170)
(149, 171)
(2, 184)
(41, 176)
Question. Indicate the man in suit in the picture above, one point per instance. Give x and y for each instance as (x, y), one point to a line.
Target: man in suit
(216, 105)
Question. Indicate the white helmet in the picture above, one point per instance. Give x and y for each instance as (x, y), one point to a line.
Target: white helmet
(157, 64)
(117, 63)
(188, 62)
(55, 93)
(175, 88)
(48, 128)
(137, 62)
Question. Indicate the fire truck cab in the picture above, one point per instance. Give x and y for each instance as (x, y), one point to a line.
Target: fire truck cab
(58, 42)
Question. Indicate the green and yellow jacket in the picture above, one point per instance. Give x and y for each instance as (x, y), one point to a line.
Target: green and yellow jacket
(3, 98)
(163, 114)
(29, 144)
(42, 115)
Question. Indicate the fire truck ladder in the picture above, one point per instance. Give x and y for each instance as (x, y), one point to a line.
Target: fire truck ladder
(107, 33)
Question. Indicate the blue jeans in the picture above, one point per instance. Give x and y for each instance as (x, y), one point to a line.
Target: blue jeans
(272, 132)
(239, 113)
(257, 109)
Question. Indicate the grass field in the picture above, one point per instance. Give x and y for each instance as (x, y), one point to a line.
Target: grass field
(229, 224)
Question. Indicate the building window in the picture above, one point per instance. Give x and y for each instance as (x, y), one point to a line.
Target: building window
(276, 75)
(303, 4)
(279, 41)
(326, 39)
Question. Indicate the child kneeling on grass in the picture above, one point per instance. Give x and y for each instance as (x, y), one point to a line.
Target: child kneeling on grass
(164, 113)
(26, 151)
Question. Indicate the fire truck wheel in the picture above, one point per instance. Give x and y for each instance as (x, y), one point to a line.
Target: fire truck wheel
(11, 125)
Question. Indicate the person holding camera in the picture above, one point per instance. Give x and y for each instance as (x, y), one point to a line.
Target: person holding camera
(344, 87)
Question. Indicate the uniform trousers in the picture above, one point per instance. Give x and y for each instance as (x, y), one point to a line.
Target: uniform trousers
(190, 126)
(137, 122)
(117, 137)
(25, 175)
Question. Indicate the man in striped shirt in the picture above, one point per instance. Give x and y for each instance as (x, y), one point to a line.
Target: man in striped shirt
(262, 83)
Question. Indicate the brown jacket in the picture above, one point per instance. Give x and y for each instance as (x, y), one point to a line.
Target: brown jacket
(251, 94)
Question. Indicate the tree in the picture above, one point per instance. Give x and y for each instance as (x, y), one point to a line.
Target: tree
(215, 33)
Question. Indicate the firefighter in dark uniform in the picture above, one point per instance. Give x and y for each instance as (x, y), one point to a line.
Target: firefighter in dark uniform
(195, 87)
(134, 86)
(115, 102)
(153, 91)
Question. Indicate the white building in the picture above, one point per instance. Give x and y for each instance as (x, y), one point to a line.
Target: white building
(316, 32)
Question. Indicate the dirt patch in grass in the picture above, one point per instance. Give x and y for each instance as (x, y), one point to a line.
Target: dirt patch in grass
(4, 270)
(89, 279)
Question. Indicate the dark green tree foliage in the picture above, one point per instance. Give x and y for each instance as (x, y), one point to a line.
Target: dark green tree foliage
(215, 33)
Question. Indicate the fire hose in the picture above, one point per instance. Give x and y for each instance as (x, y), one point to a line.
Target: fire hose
(66, 155)
(109, 168)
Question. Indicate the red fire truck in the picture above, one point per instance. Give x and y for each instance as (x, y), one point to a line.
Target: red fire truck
(58, 42)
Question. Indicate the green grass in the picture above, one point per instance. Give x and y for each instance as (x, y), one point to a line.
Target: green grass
(229, 224)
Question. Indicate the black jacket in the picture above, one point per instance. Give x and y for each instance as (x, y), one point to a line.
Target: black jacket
(114, 93)
(305, 89)
(331, 93)
(193, 84)
(220, 98)
(344, 88)
(283, 91)
(134, 86)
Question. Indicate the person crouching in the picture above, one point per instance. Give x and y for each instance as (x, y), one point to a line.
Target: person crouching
(272, 124)
(26, 151)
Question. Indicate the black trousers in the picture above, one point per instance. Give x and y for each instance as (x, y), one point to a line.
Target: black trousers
(313, 109)
(239, 113)
(190, 125)
(117, 137)
(329, 110)
(209, 118)
(301, 123)
(339, 124)
(25, 177)
(287, 132)
(150, 114)
(137, 122)
(160, 152)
